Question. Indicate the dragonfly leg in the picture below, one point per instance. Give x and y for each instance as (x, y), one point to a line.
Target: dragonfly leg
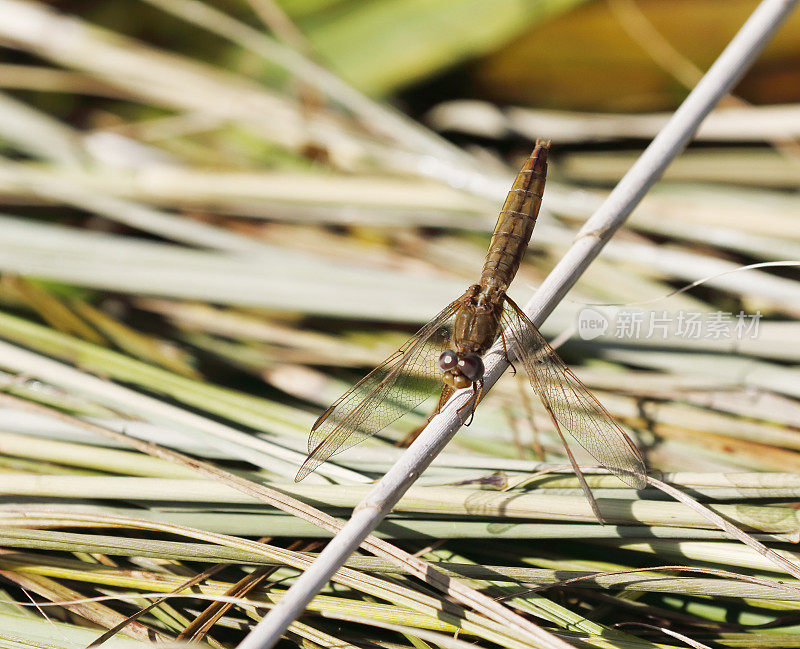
(477, 390)
(505, 352)
(447, 392)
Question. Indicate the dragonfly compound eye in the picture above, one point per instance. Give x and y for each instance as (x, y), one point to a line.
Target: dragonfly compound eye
(472, 367)
(448, 360)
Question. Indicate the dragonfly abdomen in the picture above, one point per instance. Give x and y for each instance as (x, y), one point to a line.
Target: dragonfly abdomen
(515, 223)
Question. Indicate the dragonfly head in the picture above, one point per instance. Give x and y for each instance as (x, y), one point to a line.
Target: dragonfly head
(460, 370)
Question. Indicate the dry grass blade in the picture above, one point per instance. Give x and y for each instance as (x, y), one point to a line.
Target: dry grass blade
(92, 611)
(733, 530)
(47, 185)
(132, 618)
(211, 615)
(38, 134)
(773, 585)
(374, 116)
(731, 124)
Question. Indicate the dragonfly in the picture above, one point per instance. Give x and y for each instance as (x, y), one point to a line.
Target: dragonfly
(447, 354)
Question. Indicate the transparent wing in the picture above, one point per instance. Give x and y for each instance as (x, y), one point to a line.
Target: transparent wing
(569, 401)
(402, 382)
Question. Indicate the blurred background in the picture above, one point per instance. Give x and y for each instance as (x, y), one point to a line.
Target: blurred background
(240, 207)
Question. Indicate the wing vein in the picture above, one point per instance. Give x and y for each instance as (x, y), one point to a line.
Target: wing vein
(570, 403)
(399, 384)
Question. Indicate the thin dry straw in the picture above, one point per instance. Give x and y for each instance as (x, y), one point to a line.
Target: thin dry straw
(377, 117)
(699, 282)
(670, 141)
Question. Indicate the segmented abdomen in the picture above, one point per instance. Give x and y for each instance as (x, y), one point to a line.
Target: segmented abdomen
(517, 218)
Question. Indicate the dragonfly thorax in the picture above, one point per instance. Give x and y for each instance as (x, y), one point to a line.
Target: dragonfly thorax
(477, 320)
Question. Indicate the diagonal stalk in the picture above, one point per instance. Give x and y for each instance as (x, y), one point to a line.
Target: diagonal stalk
(670, 141)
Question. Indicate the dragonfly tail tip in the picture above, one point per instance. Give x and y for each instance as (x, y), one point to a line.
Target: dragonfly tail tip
(538, 159)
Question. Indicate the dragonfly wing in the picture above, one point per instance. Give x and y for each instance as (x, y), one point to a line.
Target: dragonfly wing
(569, 402)
(399, 384)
